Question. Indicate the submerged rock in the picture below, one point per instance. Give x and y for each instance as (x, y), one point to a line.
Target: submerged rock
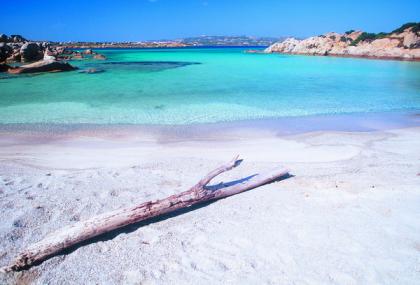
(77, 56)
(92, 70)
(99, 56)
(148, 66)
(43, 66)
(88, 51)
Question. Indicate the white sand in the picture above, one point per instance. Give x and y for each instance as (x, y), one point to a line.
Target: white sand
(350, 214)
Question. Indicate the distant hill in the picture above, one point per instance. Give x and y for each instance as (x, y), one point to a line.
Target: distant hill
(229, 41)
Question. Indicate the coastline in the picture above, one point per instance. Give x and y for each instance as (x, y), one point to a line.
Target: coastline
(396, 58)
(241, 129)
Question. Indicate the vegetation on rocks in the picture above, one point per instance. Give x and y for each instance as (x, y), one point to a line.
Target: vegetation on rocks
(415, 28)
(372, 36)
(402, 43)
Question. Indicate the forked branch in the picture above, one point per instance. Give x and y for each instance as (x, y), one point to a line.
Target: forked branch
(76, 233)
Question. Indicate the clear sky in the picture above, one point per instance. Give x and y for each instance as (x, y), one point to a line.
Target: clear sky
(132, 20)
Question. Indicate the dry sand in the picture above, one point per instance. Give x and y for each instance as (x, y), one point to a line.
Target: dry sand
(350, 214)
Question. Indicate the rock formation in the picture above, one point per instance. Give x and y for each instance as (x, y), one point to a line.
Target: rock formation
(403, 43)
(99, 56)
(5, 51)
(4, 67)
(42, 66)
(88, 51)
(47, 57)
(30, 52)
(77, 56)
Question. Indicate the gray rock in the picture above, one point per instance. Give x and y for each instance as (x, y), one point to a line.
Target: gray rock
(99, 56)
(14, 57)
(4, 67)
(17, 39)
(5, 51)
(88, 51)
(30, 52)
(3, 38)
(43, 66)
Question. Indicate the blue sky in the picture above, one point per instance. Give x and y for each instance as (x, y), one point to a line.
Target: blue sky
(131, 20)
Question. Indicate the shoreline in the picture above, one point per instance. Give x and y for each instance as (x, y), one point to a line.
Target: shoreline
(395, 58)
(356, 122)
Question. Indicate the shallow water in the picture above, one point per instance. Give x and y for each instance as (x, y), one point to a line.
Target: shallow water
(206, 85)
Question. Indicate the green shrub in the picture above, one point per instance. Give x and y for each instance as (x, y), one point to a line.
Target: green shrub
(364, 37)
(416, 28)
(343, 39)
(372, 36)
(349, 32)
(381, 35)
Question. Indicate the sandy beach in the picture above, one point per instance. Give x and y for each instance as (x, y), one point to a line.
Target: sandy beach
(348, 215)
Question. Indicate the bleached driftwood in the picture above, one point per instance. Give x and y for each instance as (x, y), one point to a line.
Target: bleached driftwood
(81, 231)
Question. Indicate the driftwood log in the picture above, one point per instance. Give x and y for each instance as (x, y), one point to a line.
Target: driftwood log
(71, 235)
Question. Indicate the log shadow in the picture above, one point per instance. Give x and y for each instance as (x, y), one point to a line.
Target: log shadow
(133, 227)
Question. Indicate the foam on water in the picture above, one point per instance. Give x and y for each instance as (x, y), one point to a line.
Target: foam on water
(170, 87)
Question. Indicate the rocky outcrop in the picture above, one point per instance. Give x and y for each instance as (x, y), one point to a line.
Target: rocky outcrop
(4, 67)
(12, 39)
(17, 39)
(403, 43)
(3, 38)
(30, 52)
(43, 66)
(88, 51)
(49, 55)
(16, 48)
(99, 56)
(5, 51)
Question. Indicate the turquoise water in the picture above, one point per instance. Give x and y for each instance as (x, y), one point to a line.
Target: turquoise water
(188, 86)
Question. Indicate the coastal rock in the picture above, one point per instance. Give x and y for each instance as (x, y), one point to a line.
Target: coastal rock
(15, 57)
(92, 71)
(99, 56)
(77, 56)
(400, 44)
(17, 39)
(43, 66)
(4, 67)
(3, 38)
(49, 55)
(30, 52)
(385, 43)
(5, 51)
(411, 40)
(88, 51)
